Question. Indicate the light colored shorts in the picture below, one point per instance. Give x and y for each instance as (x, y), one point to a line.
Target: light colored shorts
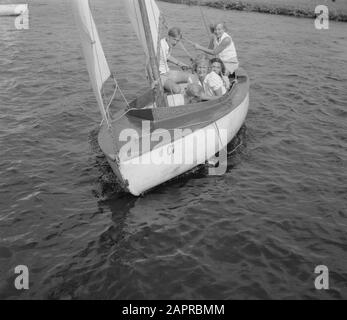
(231, 66)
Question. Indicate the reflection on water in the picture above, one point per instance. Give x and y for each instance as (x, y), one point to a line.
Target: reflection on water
(258, 231)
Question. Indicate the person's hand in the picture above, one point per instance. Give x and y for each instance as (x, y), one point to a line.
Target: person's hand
(184, 67)
(155, 84)
(197, 46)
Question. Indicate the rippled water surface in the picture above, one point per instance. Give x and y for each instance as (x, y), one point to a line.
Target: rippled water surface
(256, 232)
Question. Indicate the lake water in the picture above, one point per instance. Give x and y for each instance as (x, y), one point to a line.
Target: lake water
(256, 232)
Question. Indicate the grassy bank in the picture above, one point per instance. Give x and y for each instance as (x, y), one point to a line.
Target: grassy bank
(297, 8)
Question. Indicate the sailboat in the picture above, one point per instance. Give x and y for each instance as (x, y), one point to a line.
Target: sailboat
(156, 137)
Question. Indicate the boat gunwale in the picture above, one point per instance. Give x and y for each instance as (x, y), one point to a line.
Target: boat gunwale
(189, 120)
(158, 116)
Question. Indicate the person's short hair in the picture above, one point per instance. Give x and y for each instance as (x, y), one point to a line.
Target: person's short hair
(213, 26)
(213, 60)
(200, 60)
(175, 32)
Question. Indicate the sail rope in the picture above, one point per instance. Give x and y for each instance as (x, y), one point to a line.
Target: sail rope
(180, 43)
(204, 19)
(121, 92)
(166, 25)
(113, 95)
(232, 151)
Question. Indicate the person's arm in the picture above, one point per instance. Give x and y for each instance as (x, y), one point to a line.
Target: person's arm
(177, 62)
(226, 82)
(224, 44)
(211, 44)
(215, 83)
(218, 92)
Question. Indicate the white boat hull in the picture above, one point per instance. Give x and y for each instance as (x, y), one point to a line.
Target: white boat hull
(142, 173)
(12, 9)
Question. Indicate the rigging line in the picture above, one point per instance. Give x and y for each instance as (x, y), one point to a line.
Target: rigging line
(180, 43)
(109, 103)
(185, 50)
(188, 40)
(165, 24)
(117, 87)
(204, 20)
(120, 90)
(232, 151)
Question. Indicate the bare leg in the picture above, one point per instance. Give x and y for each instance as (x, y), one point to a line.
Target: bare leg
(178, 76)
(172, 86)
(171, 79)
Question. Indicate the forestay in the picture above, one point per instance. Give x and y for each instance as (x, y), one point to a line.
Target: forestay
(134, 13)
(97, 65)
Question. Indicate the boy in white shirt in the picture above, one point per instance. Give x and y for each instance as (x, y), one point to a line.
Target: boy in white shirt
(171, 78)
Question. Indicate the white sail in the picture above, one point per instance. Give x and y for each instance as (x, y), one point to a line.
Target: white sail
(153, 12)
(97, 65)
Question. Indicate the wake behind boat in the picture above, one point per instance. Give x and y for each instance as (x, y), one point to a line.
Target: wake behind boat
(158, 136)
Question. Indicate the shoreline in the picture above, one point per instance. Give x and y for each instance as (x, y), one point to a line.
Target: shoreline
(263, 7)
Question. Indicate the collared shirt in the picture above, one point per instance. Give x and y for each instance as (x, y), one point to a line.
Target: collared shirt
(212, 83)
(164, 55)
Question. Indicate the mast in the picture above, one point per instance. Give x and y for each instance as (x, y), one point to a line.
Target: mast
(154, 68)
